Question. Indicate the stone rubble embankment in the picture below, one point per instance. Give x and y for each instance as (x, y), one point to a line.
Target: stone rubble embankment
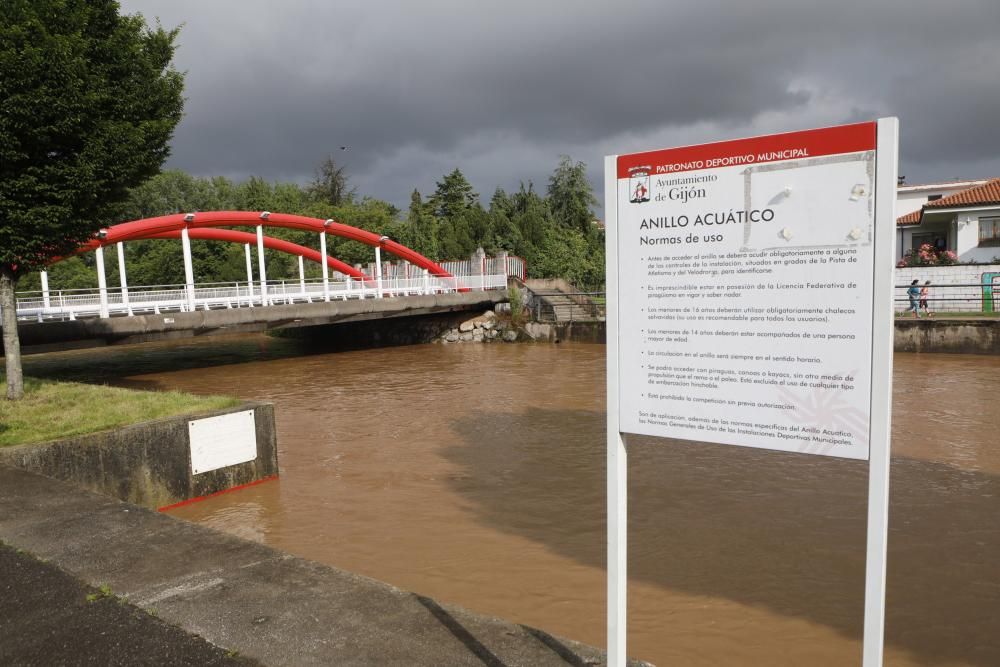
(483, 328)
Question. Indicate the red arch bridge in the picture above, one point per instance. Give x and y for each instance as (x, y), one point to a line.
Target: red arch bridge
(413, 274)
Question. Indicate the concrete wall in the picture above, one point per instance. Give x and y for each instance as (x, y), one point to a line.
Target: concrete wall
(908, 201)
(570, 332)
(550, 284)
(924, 335)
(387, 332)
(148, 464)
(948, 336)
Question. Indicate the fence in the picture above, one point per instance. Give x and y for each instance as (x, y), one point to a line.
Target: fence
(569, 306)
(968, 298)
(510, 265)
(71, 304)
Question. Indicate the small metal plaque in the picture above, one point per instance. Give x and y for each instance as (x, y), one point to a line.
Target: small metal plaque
(217, 442)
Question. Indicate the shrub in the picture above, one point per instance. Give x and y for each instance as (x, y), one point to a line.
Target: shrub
(927, 255)
(516, 306)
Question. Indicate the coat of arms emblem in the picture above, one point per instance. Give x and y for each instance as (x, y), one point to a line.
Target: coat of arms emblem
(638, 184)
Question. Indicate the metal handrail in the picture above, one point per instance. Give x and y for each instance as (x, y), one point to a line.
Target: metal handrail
(55, 305)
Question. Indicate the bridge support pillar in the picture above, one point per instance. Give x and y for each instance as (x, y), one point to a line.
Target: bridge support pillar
(261, 267)
(326, 270)
(302, 278)
(102, 282)
(246, 249)
(378, 271)
(501, 263)
(45, 289)
(478, 261)
(120, 247)
(188, 269)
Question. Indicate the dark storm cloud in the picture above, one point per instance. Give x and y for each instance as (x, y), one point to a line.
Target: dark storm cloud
(501, 90)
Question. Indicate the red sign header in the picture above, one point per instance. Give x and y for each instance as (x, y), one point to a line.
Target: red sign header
(755, 150)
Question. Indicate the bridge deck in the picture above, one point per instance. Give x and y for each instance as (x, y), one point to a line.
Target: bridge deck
(50, 336)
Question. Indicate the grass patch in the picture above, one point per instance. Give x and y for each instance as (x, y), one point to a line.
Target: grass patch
(51, 410)
(103, 592)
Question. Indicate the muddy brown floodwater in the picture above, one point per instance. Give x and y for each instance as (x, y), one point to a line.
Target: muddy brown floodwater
(475, 474)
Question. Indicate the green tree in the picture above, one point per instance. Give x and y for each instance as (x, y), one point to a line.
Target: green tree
(175, 191)
(530, 215)
(424, 227)
(461, 221)
(454, 194)
(90, 101)
(330, 184)
(567, 253)
(570, 196)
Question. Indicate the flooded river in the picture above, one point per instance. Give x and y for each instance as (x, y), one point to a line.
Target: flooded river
(475, 474)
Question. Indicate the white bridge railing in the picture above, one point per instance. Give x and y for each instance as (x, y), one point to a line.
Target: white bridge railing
(56, 305)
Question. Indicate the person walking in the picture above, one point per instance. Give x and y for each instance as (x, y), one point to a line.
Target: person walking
(924, 293)
(914, 295)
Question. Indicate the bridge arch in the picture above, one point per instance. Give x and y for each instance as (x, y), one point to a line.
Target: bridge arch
(211, 225)
(150, 227)
(271, 243)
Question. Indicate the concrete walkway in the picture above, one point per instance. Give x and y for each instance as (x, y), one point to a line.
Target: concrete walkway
(48, 617)
(244, 597)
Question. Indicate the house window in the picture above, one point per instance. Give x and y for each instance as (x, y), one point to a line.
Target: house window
(936, 239)
(989, 232)
(931, 198)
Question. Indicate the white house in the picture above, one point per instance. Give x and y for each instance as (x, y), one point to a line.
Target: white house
(961, 216)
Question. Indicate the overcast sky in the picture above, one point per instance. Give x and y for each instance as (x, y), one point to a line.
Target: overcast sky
(501, 89)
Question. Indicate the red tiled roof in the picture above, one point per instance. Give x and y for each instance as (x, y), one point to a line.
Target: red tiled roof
(987, 194)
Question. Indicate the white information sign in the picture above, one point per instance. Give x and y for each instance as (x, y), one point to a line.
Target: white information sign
(745, 285)
(225, 440)
(749, 303)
